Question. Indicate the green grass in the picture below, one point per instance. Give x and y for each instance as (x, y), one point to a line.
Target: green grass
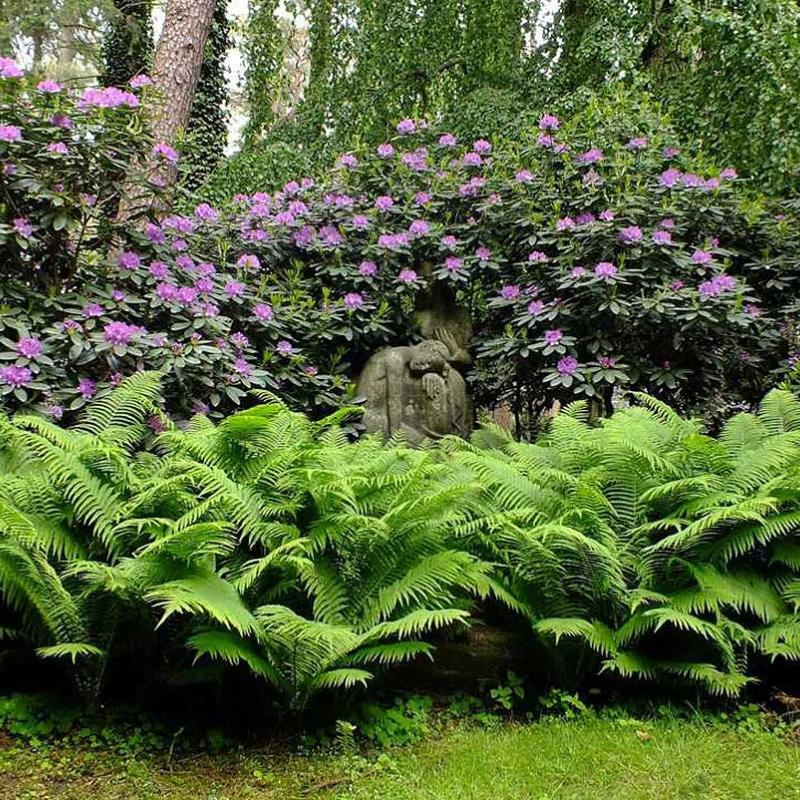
(548, 760)
(594, 759)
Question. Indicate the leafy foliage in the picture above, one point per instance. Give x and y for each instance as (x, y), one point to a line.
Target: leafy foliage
(589, 256)
(667, 553)
(270, 543)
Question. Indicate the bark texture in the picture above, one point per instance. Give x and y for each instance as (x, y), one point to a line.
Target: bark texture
(176, 71)
(178, 59)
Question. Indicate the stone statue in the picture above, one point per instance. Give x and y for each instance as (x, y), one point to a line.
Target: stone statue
(417, 388)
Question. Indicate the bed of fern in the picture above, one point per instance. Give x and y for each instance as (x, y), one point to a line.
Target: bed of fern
(640, 547)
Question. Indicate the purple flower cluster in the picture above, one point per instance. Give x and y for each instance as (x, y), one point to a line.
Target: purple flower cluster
(15, 376)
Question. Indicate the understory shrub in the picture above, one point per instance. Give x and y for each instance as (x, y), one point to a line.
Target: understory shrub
(269, 543)
(588, 257)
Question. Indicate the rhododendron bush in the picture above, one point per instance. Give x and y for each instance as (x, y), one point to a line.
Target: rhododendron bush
(584, 266)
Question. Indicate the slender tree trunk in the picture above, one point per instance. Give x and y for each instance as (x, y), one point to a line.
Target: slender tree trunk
(176, 70)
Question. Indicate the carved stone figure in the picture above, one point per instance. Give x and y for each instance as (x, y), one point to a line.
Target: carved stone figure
(414, 389)
(417, 389)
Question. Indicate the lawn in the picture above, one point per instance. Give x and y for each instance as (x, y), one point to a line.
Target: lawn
(588, 758)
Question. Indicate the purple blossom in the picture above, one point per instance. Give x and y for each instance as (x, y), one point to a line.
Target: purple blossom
(676, 286)
(348, 161)
(447, 140)
(419, 227)
(568, 365)
(263, 312)
(662, 237)
(549, 122)
(187, 295)
(154, 233)
(29, 347)
(416, 161)
(233, 288)
(537, 257)
(249, 261)
(55, 411)
(753, 310)
(311, 371)
(453, 263)
(59, 148)
(482, 146)
(608, 215)
(208, 310)
(110, 97)
(667, 223)
(239, 341)
(553, 337)
(717, 285)
(353, 300)
(384, 202)
(523, 176)
(206, 213)
(406, 127)
(449, 241)
(693, 181)
(510, 292)
(638, 143)
(119, 333)
(87, 388)
(605, 270)
(367, 268)
(577, 272)
(472, 159)
(393, 241)
(670, 152)
(23, 227)
(631, 234)
(48, 87)
(564, 224)
(15, 376)
(593, 156)
(670, 177)
(535, 307)
(360, 222)
(728, 173)
(118, 295)
(585, 218)
(305, 236)
(167, 292)
(129, 261)
(284, 348)
(93, 310)
(483, 253)
(330, 235)
(139, 81)
(607, 362)
(158, 269)
(422, 198)
(702, 257)
(163, 150)
(241, 367)
(9, 68)
(385, 150)
(407, 276)
(181, 224)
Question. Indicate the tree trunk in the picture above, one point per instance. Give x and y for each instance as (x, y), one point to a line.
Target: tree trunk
(176, 68)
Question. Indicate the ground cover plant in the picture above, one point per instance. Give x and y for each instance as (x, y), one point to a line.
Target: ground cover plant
(270, 543)
(668, 754)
